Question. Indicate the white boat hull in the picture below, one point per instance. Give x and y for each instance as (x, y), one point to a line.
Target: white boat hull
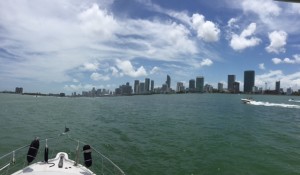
(52, 167)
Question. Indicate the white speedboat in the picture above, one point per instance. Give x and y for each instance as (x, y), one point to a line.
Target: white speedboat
(246, 100)
(30, 160)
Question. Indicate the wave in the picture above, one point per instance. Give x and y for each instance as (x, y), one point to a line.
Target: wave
(260, 103)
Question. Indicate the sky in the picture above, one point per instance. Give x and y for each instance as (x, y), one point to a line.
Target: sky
(54, 46)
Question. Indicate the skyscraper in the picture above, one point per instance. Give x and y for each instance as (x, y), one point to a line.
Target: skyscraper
(249, 80)
(220, 87)
(147, 84)
(168, 82)
(152, 85)
(236, 87)
(230, 83)
(142, 88)
(192, 85)
(199, 84)
(136, 86)
(180, 87)
(278, 87)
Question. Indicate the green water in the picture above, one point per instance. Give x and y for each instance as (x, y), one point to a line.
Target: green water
(165, 134)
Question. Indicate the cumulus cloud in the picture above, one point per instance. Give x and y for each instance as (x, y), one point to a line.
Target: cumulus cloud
(268, 77)
(115, 71)
(232, 23)
(96, 77)
(295, 60)
(78, 35)
(202, 63)
(272, 15)
(90, 67)
(206, 62)
(262, 66)
(277, 41)
(263, 8)
(286, 81)
(245, 39)
(96, 21)
(154, 70)
(206, 30)
(127, 69)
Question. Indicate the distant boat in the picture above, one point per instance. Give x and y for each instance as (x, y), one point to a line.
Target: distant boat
(246, 100)
(293, 100)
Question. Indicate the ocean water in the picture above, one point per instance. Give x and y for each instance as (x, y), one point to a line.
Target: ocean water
(180, 134)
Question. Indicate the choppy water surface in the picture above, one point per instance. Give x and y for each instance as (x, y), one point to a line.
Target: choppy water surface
(166, 134)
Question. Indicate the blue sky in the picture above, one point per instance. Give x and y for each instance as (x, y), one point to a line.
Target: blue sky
(75, 45)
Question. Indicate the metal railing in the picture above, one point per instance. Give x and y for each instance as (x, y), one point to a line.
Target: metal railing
(16, 159)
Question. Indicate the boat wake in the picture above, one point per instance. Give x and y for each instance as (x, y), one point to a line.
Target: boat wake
(260, 103)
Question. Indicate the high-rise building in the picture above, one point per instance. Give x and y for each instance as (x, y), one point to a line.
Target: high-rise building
(289, 91)
(249, 80)
(200, 84)
(220, 87)
(192, 85)
(136, 86)
(230, 83)
(180, 87)
(208, 88)
(168, 82)
(142, 88)
(147, 84)
(236, 87)
(19, 90)
(152, 85)
(278, 87)
(124, 89)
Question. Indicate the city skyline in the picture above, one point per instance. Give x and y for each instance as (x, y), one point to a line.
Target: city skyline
(73, 46)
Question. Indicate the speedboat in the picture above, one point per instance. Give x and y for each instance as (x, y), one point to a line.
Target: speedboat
(246, 100)
(36, 162)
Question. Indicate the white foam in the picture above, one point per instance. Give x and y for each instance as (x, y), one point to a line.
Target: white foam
(260, 103)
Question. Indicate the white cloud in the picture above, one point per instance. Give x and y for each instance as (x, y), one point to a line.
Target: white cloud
(127, 69)
(202, 63)
(276, 60)
(269, 77)
(232, 23)
(263, 8)
(270, 14)
(76, 36)
(206, 62)
(294, 8)
(245, 39)
(90, 67)
(154, 70)
(96, 77)
(296, 60)
(262, 66)
(98, 22)
(206, 30)
(286, 81)
(277, 41)
(115, 71)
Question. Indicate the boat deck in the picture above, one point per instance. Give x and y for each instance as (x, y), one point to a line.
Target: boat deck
(61, 164)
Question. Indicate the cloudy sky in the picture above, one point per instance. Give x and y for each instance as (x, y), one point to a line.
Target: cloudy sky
(74, 45)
